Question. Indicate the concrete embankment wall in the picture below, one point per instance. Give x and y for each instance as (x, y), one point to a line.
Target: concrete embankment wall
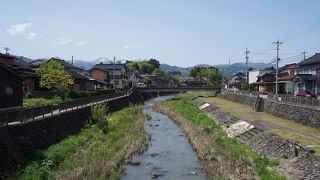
(19, 142)
(303, 115)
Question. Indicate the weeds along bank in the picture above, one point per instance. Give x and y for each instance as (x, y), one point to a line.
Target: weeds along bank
(222, 157)
(99, 150)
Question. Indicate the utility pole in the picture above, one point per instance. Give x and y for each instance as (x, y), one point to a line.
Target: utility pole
(277, 43)
(229, 76)
(72, 60)
(304, 55)
(247, 61)
(114, 70)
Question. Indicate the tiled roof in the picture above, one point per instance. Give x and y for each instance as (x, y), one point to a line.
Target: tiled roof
(315, 59)
(287, 78)
(75, 74)
(3, 66)
(306, 77)
(108, 67)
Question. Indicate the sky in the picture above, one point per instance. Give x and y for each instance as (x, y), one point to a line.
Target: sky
(175, 32)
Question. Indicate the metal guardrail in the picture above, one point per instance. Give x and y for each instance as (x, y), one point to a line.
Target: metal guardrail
(38, 112)
(301, 101)
(243, 92)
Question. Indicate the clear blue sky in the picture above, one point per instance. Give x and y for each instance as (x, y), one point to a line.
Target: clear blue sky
(177, 32)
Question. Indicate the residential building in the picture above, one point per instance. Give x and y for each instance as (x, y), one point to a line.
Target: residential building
(266, 83)
(156, 81)
(113, 74)
(303, 76)
(254, 74)
(11, 94)
(23, 69)
(80, 80)
(236, 80)
(132, 78)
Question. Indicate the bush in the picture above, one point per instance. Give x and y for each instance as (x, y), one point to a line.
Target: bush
(98, 117)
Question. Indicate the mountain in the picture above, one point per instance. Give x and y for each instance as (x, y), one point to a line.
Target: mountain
(86, 65)
(168, 68)
(234, 68)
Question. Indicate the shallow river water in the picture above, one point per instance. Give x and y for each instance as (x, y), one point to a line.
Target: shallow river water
(169, 154)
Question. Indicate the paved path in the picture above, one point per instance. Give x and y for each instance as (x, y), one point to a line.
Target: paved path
(57, 112)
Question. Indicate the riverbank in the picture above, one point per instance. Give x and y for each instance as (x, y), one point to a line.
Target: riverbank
(222, 157)
(91, 154)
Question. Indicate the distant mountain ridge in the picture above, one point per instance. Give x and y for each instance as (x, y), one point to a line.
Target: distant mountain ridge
(234, 68)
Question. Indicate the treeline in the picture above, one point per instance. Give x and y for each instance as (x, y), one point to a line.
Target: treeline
(206, 75)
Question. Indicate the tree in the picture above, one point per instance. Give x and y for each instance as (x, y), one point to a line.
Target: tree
(146, 68)
(53, 77)
(158, 72)
(155, 63)
(146, 80)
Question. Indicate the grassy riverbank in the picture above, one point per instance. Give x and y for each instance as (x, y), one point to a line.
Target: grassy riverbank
(288, 129)
(91, 154)
(222, 157)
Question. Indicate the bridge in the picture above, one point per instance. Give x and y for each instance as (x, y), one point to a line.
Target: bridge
(176, 89)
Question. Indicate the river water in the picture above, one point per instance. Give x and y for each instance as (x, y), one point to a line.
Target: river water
(169, 155)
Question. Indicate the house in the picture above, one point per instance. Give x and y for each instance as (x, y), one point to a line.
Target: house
(113, 74)
(11, 94)
(236, 80)
(303, 76)
(80, 80)
(266, 83)
(155, 80)
(132, 78)
(286, 75)
(254, 74)
(23, 69)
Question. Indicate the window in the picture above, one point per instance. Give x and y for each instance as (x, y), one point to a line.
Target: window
(8, 90)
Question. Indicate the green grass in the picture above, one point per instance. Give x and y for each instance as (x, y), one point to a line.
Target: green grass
(221, 142)
(29, 102)
(245, 112)
(91, 153)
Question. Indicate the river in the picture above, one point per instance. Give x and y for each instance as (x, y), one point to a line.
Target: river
(169, 154)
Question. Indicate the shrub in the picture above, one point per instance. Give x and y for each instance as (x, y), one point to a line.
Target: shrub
(98, 117)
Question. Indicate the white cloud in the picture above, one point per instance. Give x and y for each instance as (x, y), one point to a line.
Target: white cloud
(82, 43)
(62, 41)
(18, 28)
(126, 47)
(31, 36)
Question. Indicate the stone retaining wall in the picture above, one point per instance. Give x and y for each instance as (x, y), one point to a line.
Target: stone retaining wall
(302, 115)
(298, 162)
(18, 142)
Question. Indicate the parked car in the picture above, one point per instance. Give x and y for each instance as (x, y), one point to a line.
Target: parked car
(306, 94)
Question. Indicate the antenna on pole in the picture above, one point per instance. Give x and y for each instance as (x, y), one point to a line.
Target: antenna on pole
(6, 49)
(304, 54)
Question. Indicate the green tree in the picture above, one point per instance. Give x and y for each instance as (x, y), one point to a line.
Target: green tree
(53, 77)
(145, 67)
(155, 63)
(158, 72)
(146, 80)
